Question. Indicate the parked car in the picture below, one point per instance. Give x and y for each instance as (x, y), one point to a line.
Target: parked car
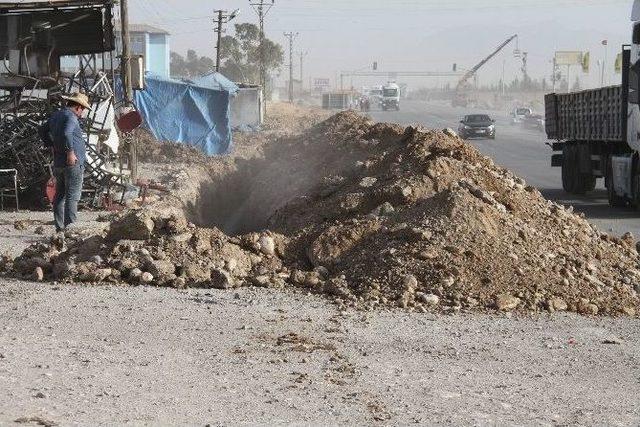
(519, 114)
(477, 126)
(534, 121)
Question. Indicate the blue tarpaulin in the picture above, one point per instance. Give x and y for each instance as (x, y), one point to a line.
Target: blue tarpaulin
(188, 113)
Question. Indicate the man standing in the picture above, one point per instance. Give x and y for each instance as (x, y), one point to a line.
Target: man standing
(62, 133)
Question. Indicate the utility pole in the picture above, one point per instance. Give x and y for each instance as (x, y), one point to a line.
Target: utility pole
(291, 37)
(223, 18)
(302, 55)
(125, 70)
(219, 31)
(262, 7)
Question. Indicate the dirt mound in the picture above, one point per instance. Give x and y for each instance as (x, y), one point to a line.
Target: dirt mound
(292, 118)
(371, 215)
(426, 220)
(158, 247)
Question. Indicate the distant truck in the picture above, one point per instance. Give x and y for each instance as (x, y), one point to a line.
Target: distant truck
(597, 131)
(390, 97)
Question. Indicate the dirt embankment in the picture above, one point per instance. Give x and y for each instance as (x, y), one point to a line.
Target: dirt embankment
(371, 215)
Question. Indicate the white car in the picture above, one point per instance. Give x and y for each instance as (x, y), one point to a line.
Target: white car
(519, 114)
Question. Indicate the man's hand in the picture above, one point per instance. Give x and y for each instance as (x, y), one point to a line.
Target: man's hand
(71, 158)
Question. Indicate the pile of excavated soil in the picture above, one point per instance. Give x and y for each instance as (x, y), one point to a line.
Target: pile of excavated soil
(372, 215)
(292, 118)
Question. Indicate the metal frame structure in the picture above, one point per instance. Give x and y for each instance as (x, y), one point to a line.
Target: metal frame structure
(29, 100)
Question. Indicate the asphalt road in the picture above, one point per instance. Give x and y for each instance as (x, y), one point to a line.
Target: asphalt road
(525, 153)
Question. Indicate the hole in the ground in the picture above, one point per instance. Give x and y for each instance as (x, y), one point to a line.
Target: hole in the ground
(243, 199)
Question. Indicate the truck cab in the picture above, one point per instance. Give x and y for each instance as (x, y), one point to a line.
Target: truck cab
(390, 97)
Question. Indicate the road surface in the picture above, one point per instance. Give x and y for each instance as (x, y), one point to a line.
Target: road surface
(524, 152)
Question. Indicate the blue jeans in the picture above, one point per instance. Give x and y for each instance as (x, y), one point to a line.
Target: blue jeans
(68, 190)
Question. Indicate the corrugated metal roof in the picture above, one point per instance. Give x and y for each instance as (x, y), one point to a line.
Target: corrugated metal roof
(25, 6)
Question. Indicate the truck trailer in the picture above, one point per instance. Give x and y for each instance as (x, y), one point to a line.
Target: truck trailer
(597, 132)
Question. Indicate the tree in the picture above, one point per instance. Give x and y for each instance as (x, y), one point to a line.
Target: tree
(191, 66)
(178, 64)
(240, 54)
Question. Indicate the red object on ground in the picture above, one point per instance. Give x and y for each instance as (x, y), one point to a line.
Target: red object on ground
(50, 189)
(129, 121)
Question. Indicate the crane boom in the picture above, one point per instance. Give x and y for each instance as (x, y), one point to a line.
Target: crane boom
(475, 69)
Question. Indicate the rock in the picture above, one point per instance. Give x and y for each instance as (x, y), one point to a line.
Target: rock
(38, 274)
(96, 259)
(179, 283)
(506, 302)
(409, 283)
(221, 279)
(627, 238)
(40, 230)
(196, 274)
(160, 269)
(312, 280)
(98, 275)
(368, 182)
(556, 304)
(448, 281)
(298, 277)
(267, 245)
(62, 268)
(176, 224)
(262, 281)
(231, 264)
(385, 209)
(136, 225)
(135, 274)
(450, 132)
(587, 308)
(629, 311)
(428, 255)
(146, 277)
(429, 299)
(422, 233)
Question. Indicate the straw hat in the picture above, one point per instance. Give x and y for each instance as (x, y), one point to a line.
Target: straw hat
(78, 98)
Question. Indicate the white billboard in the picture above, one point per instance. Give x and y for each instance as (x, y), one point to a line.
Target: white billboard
(569, 57)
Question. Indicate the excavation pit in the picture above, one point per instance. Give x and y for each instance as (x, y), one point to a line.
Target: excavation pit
(370, 215)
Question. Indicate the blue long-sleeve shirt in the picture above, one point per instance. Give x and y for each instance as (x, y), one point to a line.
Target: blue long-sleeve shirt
(62, 132)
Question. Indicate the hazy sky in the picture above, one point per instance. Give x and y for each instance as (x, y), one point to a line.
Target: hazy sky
(412, 35)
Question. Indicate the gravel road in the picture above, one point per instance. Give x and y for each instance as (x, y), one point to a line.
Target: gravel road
(137, 355)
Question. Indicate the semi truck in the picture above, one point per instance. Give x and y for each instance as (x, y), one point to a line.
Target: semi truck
(390, 97)
(596, 132)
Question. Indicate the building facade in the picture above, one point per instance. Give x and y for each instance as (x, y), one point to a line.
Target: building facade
(152, 44)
